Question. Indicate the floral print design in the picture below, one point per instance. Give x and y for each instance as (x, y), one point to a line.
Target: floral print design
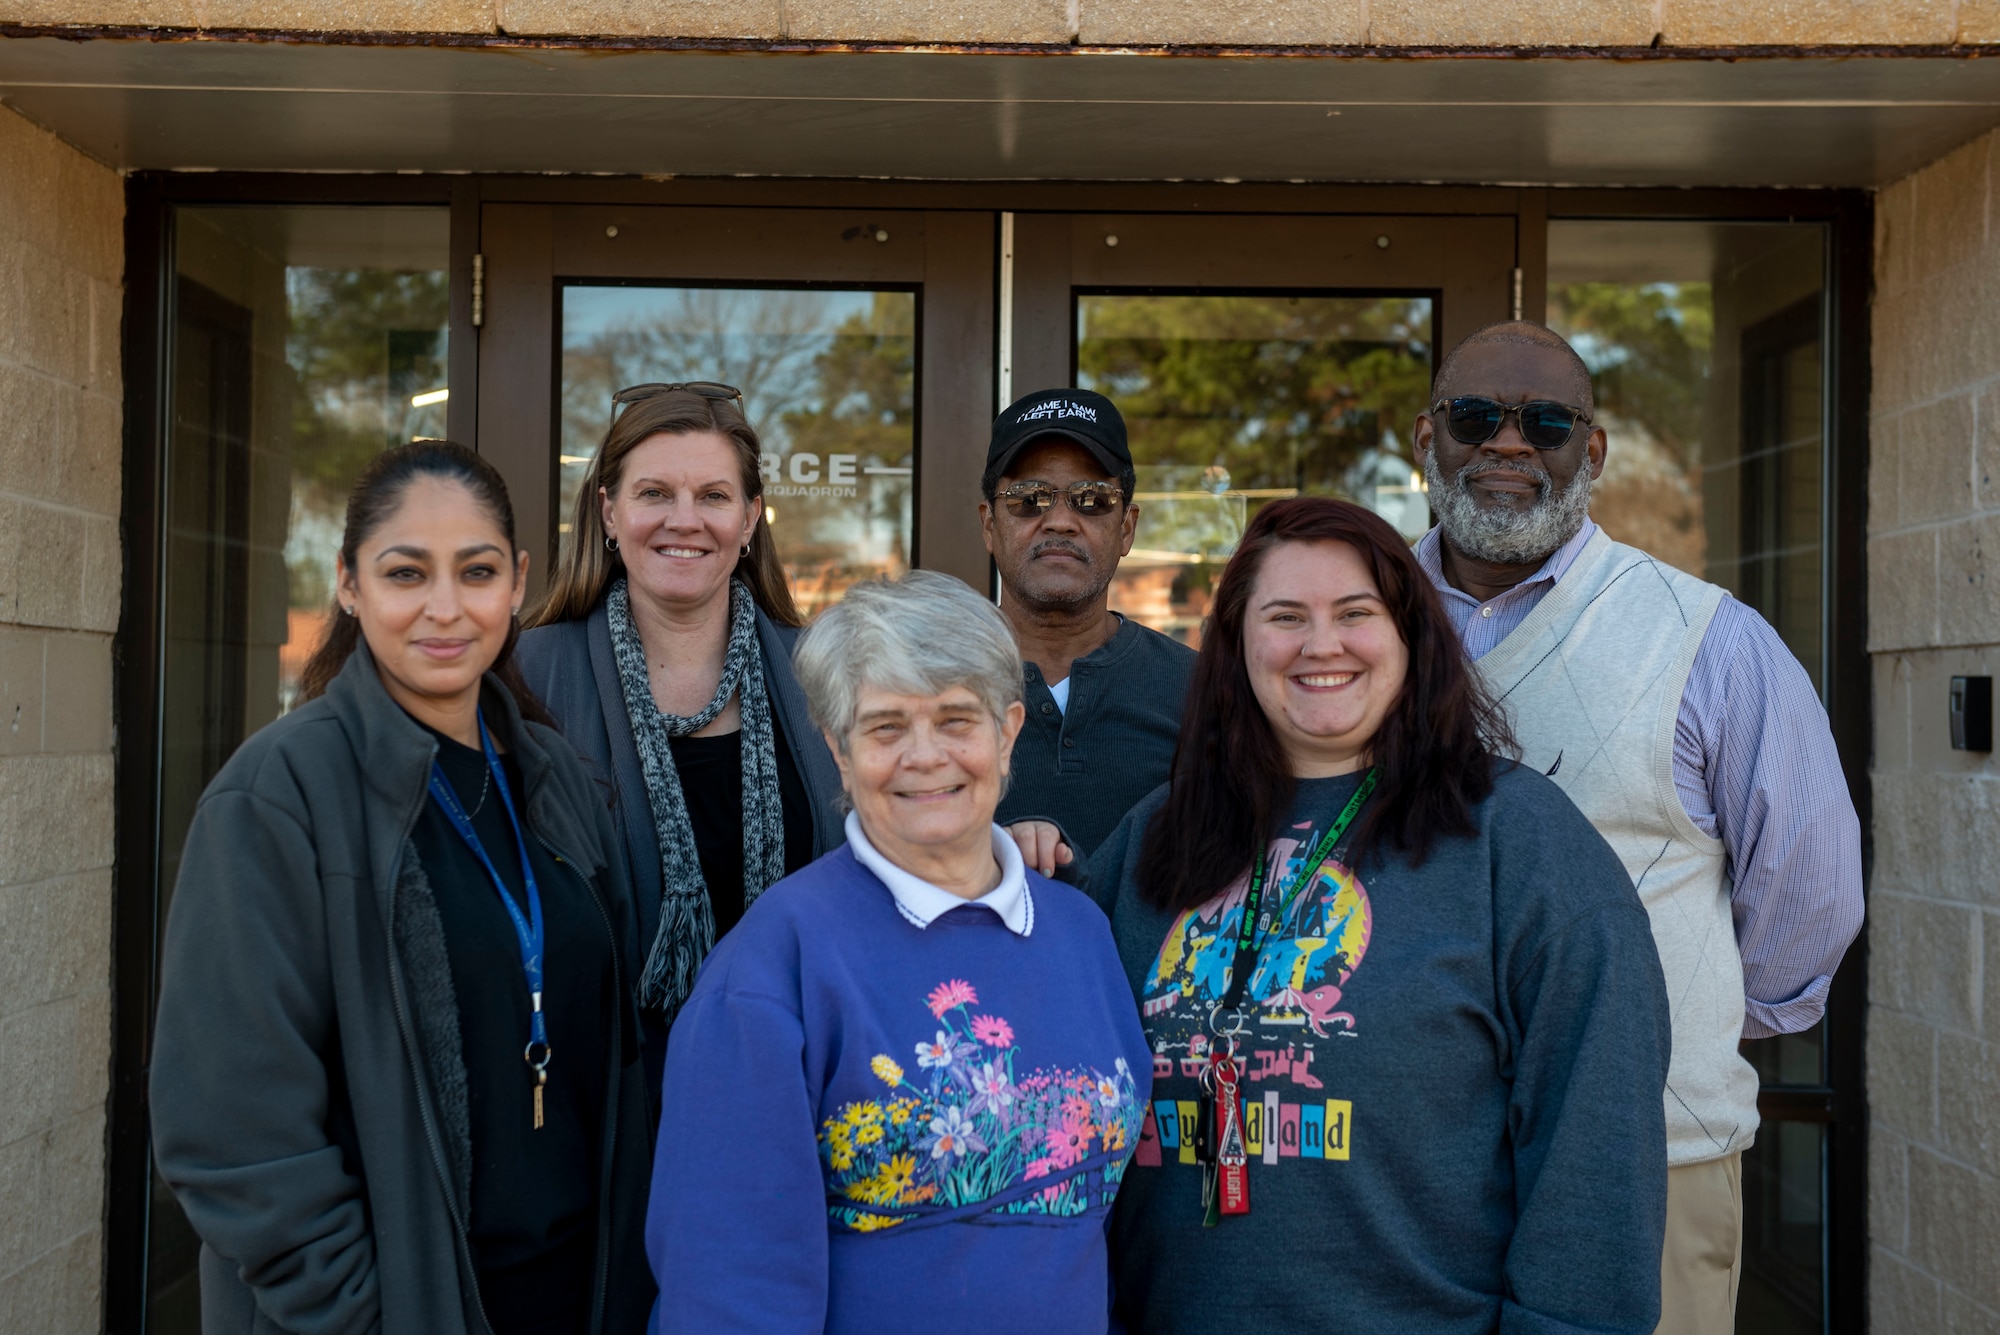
(970, 1125)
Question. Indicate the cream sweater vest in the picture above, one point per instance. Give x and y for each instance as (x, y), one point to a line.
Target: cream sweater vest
(1592, 682)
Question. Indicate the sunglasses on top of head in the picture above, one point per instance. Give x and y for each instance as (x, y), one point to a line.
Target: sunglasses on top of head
(1473, 419)
(708, 389)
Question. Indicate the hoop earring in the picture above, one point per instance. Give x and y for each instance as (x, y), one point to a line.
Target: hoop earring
(745, 553)
(610, 543)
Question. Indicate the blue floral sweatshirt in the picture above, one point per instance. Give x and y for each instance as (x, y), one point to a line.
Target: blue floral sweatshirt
(874, 1126)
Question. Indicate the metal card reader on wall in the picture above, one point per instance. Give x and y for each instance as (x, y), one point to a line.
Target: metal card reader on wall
(1972, 713)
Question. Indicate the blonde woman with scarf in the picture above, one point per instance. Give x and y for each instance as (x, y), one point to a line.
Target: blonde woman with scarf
(663, 650)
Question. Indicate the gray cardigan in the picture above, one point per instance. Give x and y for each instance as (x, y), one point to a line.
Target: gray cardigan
(309, 1093)
(569, 667)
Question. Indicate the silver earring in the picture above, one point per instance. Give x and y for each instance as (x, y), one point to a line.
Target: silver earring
(610, 544)
(347, 608)
(746, 550)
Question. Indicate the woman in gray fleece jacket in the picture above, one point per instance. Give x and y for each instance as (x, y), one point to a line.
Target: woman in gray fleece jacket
(396, 1082)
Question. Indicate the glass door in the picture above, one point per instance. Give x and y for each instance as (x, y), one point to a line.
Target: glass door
(302, 342)
(1705, 343)
(862, 342)
(1254, 358)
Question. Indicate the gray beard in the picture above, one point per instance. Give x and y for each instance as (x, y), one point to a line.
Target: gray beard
(1499, 536)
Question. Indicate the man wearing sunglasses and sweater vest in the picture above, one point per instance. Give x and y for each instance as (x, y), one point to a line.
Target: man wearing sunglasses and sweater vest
(1103, 692)
(1682, 727)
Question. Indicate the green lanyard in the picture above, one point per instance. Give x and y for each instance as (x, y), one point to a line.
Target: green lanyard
(1250, 933)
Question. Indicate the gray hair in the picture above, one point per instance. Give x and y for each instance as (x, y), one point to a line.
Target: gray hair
(919, 635)
(1500, 536)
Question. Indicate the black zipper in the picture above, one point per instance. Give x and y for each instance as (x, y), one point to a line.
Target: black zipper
(601, 1298)
(461, 1234)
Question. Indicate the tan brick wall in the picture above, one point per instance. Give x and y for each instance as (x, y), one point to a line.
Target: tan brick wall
(1934, 612)
(61, 261)
(1384, 23)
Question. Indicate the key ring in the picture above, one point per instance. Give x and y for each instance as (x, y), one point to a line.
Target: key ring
(539, 1067)
(1240, 1026)
(1228, 1058)
(1228, 1054)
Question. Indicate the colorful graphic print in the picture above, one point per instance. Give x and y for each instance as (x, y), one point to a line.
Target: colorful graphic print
(1319, 931)
(1294, 1006)
(965, 1126)
(1273, 1129)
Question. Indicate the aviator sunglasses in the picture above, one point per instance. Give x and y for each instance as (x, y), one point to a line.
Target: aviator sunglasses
(708, 389)
(1473, 420)
(1028, 500)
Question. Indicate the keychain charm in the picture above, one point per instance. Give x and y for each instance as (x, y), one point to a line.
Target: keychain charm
(1231, 1168)
(1218, 1147)
(538, 1055)
(1225, 1171)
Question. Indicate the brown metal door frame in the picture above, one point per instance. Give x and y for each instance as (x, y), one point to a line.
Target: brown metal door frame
(948, 256)
(1468, 261)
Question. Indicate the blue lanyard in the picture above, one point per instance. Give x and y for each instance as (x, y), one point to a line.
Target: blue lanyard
(527, 930)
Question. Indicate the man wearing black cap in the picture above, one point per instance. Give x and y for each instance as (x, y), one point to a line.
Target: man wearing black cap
(1103, 692)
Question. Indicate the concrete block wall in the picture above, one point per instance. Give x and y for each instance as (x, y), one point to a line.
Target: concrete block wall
(1934, 612)
(1383, 23)
(61, 267)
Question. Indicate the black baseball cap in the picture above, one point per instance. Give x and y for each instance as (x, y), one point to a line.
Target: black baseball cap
(1088, 419)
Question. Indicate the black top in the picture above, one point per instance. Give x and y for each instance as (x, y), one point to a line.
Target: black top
(534, 1192)
(1084, 767)
(711, 774)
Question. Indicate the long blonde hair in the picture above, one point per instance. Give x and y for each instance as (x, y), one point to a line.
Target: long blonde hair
(585, 570)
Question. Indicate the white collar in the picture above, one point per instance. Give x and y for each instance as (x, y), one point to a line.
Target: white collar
(923, 903)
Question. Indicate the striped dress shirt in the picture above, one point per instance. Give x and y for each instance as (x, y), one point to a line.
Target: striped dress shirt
(1755, 766)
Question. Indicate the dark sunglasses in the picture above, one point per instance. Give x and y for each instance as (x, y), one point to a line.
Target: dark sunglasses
(1473, 420)
(708, 389)
(1029, 500)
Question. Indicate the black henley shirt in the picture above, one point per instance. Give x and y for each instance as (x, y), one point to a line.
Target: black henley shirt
(1086, 766)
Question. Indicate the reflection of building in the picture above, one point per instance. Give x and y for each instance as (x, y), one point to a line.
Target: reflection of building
(1150, 194)
(1392, 486)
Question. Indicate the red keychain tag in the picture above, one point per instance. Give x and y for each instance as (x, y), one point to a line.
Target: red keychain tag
(1232, 1165)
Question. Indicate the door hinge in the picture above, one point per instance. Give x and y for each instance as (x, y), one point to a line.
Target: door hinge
(479, 291)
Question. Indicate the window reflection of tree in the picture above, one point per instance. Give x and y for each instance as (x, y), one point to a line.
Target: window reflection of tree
(1649, 349)
(360, 343)
(761, 341)
(1245, 398)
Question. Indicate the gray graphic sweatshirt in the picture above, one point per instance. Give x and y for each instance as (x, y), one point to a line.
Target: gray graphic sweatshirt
(1451, 1093)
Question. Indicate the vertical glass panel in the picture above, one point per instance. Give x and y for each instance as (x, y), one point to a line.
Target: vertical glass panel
(1232, 401)
(828, 378)
(1705, 347)
(1784, 1182)
(1790, 1060)
(303, 341)
(1704, 341)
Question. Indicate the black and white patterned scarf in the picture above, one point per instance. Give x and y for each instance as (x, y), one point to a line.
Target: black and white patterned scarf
(687, 920)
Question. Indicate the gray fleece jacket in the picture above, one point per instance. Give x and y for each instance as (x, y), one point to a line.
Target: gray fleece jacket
(309, 1094)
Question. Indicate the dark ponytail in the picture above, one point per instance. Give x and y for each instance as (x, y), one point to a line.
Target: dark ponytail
(376, 495)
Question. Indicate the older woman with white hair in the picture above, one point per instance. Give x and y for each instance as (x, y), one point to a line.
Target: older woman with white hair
(905, 1088)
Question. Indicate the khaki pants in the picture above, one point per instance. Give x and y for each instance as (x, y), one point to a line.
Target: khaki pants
(1704, 1252)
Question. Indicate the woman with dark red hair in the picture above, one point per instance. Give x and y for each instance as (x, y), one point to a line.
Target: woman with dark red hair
(1408, 1028)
